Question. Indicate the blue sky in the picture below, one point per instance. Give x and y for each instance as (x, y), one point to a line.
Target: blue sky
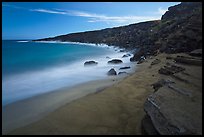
(33, 20)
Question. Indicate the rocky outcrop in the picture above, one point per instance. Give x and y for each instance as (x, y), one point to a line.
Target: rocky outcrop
(179, 30)
(115, 61)
(112, 72)
(90, 63)
(175, 105)
(188, 60)
(170, 70)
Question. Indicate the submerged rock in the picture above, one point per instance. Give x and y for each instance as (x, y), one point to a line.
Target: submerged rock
(90, 63)
(124, 68)
(123, 72)
(112, 72)
(126, 55)
(115, 61)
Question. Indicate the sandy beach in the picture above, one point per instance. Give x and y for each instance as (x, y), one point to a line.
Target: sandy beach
(117, 109)
(26, 111)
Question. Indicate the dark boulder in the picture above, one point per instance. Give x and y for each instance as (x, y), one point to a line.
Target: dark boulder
(115, 61)
(124, 68)
(123, 72)
(126, 55)
(90, 63)
(112, 72)
(137, 56)
(141, 60)
(197, 52)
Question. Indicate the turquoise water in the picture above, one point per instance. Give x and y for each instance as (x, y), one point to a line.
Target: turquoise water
(33, 68)
(28, 56)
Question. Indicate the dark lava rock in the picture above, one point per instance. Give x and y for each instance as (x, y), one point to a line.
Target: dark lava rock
(188, 60)
(115, 61)
(197, 52)
(122, 50)
(156, 61)
(112, 72)
(122, 73)
(168, 57)
(148, 127)
(90, 63)
(126, 55)
(161, 83)
(124, 68)
(141, 60)
(169, 70)
(137, 56)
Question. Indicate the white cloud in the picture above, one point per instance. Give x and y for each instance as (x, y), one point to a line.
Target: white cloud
(48, 11)
(93, 17)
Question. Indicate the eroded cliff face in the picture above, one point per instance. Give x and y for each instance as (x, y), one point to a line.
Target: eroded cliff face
(180, 30)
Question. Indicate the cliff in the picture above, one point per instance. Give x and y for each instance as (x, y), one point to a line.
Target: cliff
(179, 30)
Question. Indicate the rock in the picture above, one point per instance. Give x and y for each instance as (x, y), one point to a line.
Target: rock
(137, 56)
(172, 112)
(115, 61)
(122, 50)
(147, 126)
(90, 63)
(156, 61)
(112, 72)
(169, 70)
(165, 71)
(189, 61)
(197, 52)
(122, 73)
(124, 68)
(161, 83)
(168, 57)
(126, 55)
(141, 60)
(108, 57)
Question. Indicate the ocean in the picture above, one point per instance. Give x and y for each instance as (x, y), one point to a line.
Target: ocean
(33, 68)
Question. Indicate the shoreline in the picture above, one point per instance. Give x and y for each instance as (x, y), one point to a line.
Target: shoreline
(29, 110)
(64, 72)
(118, 109)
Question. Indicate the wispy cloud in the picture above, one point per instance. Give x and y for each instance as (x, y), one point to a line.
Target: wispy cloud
(93, 17)
(48, 11)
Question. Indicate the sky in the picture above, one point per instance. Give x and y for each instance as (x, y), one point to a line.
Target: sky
(34, 20)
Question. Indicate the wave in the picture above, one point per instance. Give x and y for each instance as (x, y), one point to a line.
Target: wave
(23, 41)
(103, 45)
(24, 85)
